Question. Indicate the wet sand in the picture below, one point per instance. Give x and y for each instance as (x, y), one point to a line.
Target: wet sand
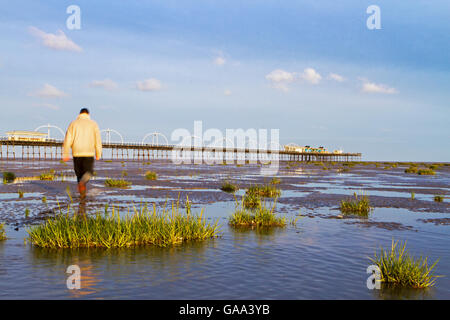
(303, 186)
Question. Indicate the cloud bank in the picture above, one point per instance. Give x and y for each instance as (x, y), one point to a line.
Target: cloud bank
(58, 41)
(151, 84)
(49, 91)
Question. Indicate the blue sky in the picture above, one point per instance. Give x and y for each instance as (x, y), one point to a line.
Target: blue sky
(309, 68)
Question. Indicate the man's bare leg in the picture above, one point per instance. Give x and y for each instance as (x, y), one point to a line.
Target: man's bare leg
(82, 185)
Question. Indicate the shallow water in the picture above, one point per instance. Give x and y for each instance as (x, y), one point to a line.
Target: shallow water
(319, 258)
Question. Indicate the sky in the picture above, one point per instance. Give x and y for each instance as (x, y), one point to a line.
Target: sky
(312, 69)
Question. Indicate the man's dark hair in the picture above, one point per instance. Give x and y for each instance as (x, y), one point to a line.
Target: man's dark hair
(84, 110)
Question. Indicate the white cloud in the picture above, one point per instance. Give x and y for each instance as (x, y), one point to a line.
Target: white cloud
(58, 41)
(219, 61)
(370, 87)
(227, 92)
(107, 84)
(336, 77)
(151, 84)
(311, 75)
(280, 78)
(49, 91)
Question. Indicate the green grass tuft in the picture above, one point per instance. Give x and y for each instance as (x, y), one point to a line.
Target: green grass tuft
(267, 190)
(159, 227)
(2, 232)
(411, 169)
(275, 180)
(115, 183)
(151, 175)
(426, 172)
(438, 198)
(50, 176)
(262, 216)
(357, 205)
(229, 187)
(398, 267)
(253, 194)
(8, 177)
(251, 200)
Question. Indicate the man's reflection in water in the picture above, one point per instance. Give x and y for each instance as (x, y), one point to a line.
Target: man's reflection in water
(89, 279)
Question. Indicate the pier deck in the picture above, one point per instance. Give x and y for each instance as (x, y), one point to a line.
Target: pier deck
(52, 150)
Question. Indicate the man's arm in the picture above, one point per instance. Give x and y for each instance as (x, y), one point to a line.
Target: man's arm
(68, 141)
(98, 143)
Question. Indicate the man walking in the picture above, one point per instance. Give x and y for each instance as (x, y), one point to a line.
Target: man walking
(83, 137)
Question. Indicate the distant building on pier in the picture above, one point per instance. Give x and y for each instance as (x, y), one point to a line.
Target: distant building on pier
(305, 149)
(26, 136)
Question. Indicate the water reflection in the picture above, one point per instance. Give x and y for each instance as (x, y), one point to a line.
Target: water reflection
(243, 234)
(390, 292)
(136, 267)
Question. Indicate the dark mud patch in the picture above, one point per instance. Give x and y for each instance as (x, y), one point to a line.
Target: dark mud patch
(438, 222)
(382, 225)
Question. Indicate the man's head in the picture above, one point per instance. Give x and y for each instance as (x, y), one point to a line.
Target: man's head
(84, 110)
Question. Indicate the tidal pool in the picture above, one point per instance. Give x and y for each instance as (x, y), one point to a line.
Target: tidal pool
(323, 256)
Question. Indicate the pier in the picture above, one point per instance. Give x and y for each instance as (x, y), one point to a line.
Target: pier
(52, 150)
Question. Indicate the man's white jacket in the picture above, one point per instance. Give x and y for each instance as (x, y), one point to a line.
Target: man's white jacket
(83, 136)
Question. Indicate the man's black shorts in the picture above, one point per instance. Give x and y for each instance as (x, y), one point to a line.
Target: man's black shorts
(83, 165)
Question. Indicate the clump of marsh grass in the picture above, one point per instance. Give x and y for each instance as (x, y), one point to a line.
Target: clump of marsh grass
(421, 172)
(434, 166)
(348, 164)
(251, 200)
(356, 205)
(262, 216)
(413, 196)
(398, 267)
(253, 195)
(8, 177)
(2, 232)
(229, 187)
(267, 190)
(50, 176)
(151, 175)
(21, 193)
(439, 198)
(116, 183)
(411, 169)
(275, 180)
(144, 226)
